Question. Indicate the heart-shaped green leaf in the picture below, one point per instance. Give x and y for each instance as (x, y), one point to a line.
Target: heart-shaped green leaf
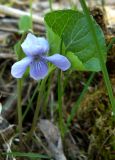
(73, 28)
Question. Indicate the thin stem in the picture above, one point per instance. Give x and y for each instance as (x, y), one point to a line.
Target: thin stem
(60, 95)
(31, 13)
(50, 3)
(37, 110)
(60, 90)
(103, 66)
(47, 94)
(30, 102)
(19, 92)
(79, 100)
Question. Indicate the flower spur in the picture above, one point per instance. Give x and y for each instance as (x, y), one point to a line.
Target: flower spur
(35, 49)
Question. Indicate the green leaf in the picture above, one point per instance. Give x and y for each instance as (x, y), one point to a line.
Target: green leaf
(30, 155)
(53, 39)
(93, 65)
(73, 28)
(75, 61)
(25, 23)
(76, 64)
(18, 50)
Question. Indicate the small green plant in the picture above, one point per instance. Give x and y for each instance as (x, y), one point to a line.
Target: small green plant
(74, 41)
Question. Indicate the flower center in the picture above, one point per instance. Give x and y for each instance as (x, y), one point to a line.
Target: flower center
(36, 58)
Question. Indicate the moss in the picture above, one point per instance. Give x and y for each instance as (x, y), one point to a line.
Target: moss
(94, 116)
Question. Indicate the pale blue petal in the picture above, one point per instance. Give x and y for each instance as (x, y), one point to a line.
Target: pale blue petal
(34, 46)
(44, 45)
(60, 61)
(38, 70)
(19, 67)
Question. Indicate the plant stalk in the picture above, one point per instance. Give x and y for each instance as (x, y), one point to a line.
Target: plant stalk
(19, 107)
(61, 123)
(50, 4)
(37, 110)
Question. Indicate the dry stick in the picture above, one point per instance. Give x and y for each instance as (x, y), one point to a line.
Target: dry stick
(11, 30)
(18, 13)
(7, 56)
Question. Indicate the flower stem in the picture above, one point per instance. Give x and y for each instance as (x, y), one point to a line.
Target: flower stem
(100, 56)
(31, 13)
(50, 3)
(37, 110)
(47, 93)
(19, 92)
(60, 91)
(30, 102)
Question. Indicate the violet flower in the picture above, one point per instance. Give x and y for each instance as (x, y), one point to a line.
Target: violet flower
(35, 49)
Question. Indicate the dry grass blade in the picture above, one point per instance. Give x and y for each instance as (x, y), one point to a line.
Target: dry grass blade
(53, 138)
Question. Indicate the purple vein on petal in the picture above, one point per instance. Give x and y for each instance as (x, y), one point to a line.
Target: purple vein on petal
(38, 70)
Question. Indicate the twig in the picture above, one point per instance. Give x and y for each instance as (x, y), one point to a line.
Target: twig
(18, 13)
(11, 30)
(6, 56)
